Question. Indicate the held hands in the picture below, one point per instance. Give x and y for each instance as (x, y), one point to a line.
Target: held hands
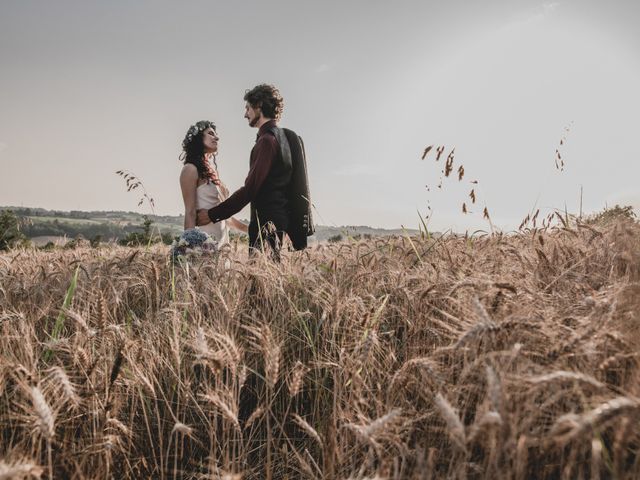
(202, 217)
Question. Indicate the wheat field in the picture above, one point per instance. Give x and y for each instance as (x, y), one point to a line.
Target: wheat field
(502, 356)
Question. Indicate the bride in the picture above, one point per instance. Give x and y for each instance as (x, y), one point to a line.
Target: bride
(201, 187)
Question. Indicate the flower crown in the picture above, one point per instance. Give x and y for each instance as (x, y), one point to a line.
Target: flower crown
(195, 130)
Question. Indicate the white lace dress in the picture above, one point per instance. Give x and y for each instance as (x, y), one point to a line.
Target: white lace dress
(207, 196)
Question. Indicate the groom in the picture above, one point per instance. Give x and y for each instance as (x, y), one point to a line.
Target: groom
(268, 180)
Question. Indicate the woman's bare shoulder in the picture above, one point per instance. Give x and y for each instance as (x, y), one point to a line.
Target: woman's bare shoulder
(189, 172)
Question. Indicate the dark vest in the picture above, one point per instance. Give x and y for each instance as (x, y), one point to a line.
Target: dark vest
(271, 201)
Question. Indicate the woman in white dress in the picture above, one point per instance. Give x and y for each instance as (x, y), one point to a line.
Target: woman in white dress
(199, 181)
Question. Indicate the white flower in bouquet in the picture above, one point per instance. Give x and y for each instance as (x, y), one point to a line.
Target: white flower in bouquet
(193, 242)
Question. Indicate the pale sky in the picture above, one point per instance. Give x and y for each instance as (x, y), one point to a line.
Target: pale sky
(89, 87)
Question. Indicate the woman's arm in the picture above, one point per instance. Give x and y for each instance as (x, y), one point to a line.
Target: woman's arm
(188, 185)
(238, 225)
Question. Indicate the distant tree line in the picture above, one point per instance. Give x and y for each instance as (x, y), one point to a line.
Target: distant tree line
(126, 234)
(140, 228)
(87, 230)
(41, 212)
(77, 214)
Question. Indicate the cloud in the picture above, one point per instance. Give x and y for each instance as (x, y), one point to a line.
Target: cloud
(322, 68)
(530, 15)
(548, 8)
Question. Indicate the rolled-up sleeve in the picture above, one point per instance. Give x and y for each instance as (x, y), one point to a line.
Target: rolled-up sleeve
(263, 154)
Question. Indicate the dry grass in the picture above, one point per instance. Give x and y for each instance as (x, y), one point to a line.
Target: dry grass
(493, 357)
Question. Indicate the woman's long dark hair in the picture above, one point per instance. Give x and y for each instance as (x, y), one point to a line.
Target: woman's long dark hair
(193, 153)
(193, 150)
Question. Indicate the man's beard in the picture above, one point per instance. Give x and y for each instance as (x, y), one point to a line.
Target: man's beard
(254, 121)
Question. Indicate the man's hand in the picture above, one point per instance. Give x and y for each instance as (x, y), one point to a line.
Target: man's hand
(202, 217)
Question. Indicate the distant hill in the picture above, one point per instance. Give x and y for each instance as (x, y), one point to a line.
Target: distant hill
(40, 222)
(109, 225)
(324, 232)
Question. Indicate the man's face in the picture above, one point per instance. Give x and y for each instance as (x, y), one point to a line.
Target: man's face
(252, 114)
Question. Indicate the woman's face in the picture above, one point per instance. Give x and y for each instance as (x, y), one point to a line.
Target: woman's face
(210, 140)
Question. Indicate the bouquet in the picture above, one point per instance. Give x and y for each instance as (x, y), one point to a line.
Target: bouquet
(193, 242)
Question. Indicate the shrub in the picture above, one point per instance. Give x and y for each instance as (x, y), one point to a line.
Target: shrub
(140, 239)
(10, 234)
(612, 214)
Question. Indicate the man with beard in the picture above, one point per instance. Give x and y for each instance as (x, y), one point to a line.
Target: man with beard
(267, 184)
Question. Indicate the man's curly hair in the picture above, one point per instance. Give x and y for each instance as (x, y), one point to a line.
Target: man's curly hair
(267, 98)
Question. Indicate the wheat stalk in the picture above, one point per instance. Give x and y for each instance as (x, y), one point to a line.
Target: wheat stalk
(522, 458)
(116, 425)
(19, 469)
(488, 420)
(182, 429)
(227, 409)
(596, 459)
(257, 413)
(296, 378)
(45, 417)
(494, 389)
(369, 431)
(571, 426)
(304, 425)
(564, 376)
(271, 353)
(455, 427)
(59, 377)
